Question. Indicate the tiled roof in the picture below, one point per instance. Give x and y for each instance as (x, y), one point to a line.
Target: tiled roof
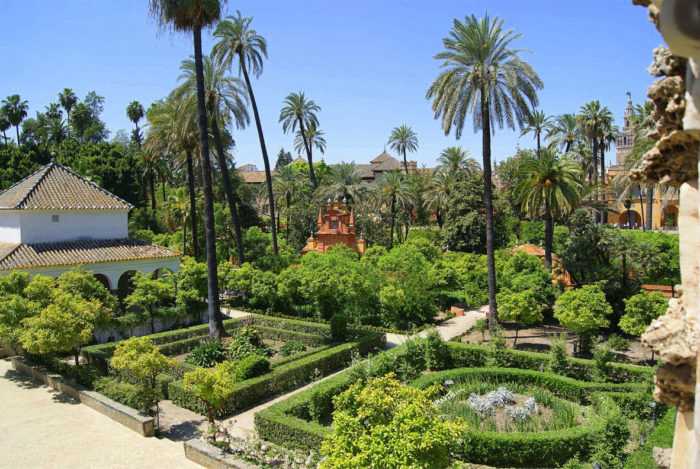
(388, 164)
(383, 156)
(57, 187)
(255, 177)
(300, 159)
(27, 256)
(364, 170)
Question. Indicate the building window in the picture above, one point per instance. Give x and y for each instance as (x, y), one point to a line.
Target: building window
(54, 218)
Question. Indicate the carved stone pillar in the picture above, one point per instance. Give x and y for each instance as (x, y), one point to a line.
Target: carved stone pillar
(674, 161)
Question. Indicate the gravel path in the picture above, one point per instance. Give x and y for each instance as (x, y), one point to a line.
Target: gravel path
(43, 428)
(448, 329)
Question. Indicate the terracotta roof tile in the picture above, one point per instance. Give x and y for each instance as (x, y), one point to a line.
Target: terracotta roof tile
(57, 187)
(26, 256)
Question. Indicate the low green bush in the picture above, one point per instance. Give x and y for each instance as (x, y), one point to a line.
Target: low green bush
(437, 355)
(283, 378)
(617, 343)
(207, 354)
(129, 394)
(339, 327)
(251, 367)
(291, 348)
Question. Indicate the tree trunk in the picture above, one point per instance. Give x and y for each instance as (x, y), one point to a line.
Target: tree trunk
(153, 190)
(216, 325)
(163, 187)
(488, 207)
(595, 172)
(650, 205)
(548, 229)
(193, 205)
(307, 147)
(641, 208)
(184, 239)
(76, 356)
(438, 216)
(405, 162)
(263, 148)
(150, 316)
(17, 128)
(228, 189)
(287, 224)
(539, 155)
(602, 181)
(391, 230)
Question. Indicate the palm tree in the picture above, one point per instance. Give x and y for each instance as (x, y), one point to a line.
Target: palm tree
(154, 166)
(4, 124)
(392, 189)
(455, 159)
(343, 182)
(315, 138)
(236, 39)
(67, 99)
(135, 112)
(484, 77)
(173, 128)
(298, 110)
(177, 214)
(551, 185)
(607, 138)
(438, 194)
(643, 124)
(564, 132)
(56, 130)
(403, 139)
(224, 96)
(536, 123)
(288, 183)
(15, 110)
(191, 16)
(592, 120)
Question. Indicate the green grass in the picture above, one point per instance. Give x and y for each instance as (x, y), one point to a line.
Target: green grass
(662, 437)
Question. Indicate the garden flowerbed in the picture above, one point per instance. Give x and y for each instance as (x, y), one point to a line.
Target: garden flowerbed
(573, 407)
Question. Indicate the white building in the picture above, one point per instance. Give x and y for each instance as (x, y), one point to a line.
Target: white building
(54, 219)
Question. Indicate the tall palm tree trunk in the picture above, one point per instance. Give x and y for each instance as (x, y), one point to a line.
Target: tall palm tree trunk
(163, 187)
(595, 174)
(538, 156)
(193, 205)
(266, 160)
(405, 162)
(568, 147)
(216, 325)
(641, 208)
(548, 228)
(488, 207)
(152, 178)
(17, 128)
(650, 205)
(602, 181)
(307, 147)
(230, 196)
(391, 235)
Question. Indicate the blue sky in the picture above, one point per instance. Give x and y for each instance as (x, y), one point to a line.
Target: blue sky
(367, 63)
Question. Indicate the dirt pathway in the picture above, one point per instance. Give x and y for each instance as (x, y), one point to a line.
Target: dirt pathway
(43, 428)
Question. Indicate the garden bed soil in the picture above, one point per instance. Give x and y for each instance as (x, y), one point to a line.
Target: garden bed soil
(539, 339)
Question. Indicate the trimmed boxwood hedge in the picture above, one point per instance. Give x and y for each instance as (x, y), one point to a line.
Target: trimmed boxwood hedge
(470, 355)
(561, 386)
(289, 423)
(283, 378)
(183, 340)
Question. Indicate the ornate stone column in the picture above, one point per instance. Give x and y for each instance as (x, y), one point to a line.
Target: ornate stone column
(674, 161)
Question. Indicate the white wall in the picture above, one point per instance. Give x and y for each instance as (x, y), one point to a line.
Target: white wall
(38, 227)
(9, 226)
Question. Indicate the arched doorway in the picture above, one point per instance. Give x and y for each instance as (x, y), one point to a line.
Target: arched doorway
(104, 280)
(669, 217)
(125, 286)
(630, 219)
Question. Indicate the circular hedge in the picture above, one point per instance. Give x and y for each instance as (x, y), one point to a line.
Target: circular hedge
(530, 449)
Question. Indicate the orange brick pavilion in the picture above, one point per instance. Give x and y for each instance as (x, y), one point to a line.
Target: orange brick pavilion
(336, 225)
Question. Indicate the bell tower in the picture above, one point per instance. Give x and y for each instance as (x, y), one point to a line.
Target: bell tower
(625, 138)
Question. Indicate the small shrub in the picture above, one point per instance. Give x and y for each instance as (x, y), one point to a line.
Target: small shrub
(617, 343)
(481, 326)
(437, 355)
(602, 356)
(248, 342)
(290, 348)
(558, 360)
(207, 355)
(251, 367)
(497, 353)
(339, 327)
